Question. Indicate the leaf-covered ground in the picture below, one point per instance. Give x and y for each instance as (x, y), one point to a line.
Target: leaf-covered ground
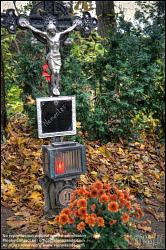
(140, 166)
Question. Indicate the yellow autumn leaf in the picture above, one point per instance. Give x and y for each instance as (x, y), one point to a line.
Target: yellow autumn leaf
(120, 151)
(152, 236)
(37, 154)
(30, 100)
(147, 192)
(34, 168)
(35, 195)
(117, 177)
(37, 188)
(94, 174)
(144, 228)
(78, 125)
(83, 179)
(142, 146)
(21, 140)
(105, 178)
(39, 204)
(16, 199)
(104, 151)
(11, 189)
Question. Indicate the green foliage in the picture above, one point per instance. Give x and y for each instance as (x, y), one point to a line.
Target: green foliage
(14, 104)
(118, 82)
(13, 92)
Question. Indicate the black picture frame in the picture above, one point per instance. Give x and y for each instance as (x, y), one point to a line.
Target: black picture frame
(56, 116)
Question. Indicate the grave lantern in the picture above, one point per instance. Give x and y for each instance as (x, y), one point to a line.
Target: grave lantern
(64, 159)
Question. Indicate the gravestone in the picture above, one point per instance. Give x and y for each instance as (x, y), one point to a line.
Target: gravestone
(63, 162)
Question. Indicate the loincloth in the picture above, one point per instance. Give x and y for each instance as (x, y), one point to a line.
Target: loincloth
(54, 60)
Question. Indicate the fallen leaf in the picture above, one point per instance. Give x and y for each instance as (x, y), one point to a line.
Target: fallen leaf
(83, 179)
(49, 229)
(145, 158)
(159, 216)
(35, 195)
(147, 192)
(149, 202)
(152, 236)
(94, 174)
(144, 228)
(23, 213)
(105, 178)
(117, 177)
(37, 188)
(78, 125)
(16, 224)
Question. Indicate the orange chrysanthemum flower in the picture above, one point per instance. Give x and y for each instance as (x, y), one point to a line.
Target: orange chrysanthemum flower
(112, 222)
(138, 209)
(121, 195)
(104, 198)
(107, 186)
(81, 203)
(139, 213)
(93, 207)
(94, 193)
(81, 226)
(70, 220)
(63, 219)
(100, 221)
(126, 195)
(75, 212)
(70, 206)
(90, 220)
(125, 217)
(128, 205)
(65, 211)
(113, 197)
(122, 201)
(98, 185)
(93, 215)
(100, 192)
(113, 207)
(56, 219)
(116, 189)
(81, 191)
(88, 194)
(82, 211)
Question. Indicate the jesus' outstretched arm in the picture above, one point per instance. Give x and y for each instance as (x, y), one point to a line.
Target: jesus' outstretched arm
(76, 23)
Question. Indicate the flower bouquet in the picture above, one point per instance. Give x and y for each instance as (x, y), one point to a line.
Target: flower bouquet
(102, 214)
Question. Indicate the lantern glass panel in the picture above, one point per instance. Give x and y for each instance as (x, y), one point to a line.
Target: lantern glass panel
(67, 162)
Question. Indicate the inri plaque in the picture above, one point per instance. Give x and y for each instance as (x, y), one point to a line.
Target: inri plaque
(56, 116)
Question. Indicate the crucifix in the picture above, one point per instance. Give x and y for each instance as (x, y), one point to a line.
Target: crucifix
(50, 22)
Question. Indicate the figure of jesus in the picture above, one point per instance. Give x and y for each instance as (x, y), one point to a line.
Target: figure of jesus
(52, 35)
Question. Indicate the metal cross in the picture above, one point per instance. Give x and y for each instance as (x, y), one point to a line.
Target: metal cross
(50, 22)
(44, 12)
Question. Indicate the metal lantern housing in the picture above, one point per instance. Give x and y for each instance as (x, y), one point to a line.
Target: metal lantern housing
(64, 159)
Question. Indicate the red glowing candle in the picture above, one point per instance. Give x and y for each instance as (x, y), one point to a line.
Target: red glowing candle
(59, 167)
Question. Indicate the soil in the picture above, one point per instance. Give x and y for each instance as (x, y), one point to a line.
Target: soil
(158, 227)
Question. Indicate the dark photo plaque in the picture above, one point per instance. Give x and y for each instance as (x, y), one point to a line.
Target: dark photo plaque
(56, 116)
